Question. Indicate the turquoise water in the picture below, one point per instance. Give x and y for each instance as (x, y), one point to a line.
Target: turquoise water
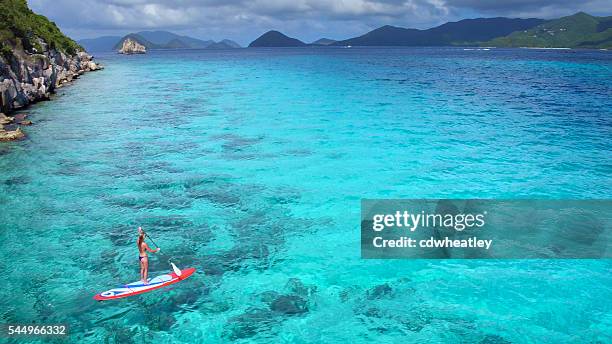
(250, 165)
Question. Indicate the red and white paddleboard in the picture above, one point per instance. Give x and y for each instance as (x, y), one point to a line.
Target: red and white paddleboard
(136, 288)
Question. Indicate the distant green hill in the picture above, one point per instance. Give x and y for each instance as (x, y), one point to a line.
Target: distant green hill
(274, 38)
(463, 32)
(323, 41)
(19, 26)
(580, 30)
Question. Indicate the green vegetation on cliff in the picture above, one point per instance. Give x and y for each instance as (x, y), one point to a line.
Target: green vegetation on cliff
(19, 26)
(580, 30)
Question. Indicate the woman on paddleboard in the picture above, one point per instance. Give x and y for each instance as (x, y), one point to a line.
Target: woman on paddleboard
(142, 255)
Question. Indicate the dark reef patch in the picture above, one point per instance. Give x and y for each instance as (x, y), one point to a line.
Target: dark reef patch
(297, 287)
(380, 291)
(494, 339)
(277, 307)
(122, 235)
(289, 305)
(254, 257)
(4, 150)
(234, 143)
(158, 185)
(174, 201)
(284, 196)
(381, 305)
(21, 180)
(219, 197)
(299, 152)
(251, 323)
(165, 222)
(69, 169)
(131, 202)
(118, 333)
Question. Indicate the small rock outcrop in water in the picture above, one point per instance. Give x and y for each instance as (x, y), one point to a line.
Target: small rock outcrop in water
(4, 119)
(130, 46)
(35, 59)
(289, 305)
(9, 135)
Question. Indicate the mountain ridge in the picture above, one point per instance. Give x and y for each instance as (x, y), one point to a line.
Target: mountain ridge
(152, 40)
(463, 32)
(579, 30)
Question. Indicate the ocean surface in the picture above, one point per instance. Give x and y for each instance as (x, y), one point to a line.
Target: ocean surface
(250, 165)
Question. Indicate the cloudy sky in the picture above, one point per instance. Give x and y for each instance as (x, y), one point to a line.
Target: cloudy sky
(245, 20)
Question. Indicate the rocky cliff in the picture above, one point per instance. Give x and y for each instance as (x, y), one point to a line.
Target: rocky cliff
(35, 59)
(130, 46)
(26, 78)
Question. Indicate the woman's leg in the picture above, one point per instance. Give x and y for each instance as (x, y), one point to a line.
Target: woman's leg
(142, 270)
(145, 262)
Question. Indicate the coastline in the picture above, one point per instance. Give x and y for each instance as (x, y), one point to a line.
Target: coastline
(30, 78)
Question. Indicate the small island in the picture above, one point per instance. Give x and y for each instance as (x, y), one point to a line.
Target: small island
(130, 46)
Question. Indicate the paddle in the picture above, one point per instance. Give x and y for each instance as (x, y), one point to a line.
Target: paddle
(177, 271)
(154, 243)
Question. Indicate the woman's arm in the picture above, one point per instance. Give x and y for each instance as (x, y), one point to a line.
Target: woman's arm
(150, 250)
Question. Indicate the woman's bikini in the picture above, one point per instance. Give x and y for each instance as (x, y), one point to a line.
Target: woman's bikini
(140, 258)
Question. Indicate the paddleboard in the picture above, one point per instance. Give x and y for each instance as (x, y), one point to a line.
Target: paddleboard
(136, 288)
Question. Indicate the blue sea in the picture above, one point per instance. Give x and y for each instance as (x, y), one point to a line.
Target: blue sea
(250, 165)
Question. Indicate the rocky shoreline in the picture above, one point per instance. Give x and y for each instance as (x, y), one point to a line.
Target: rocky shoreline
(27, 78)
